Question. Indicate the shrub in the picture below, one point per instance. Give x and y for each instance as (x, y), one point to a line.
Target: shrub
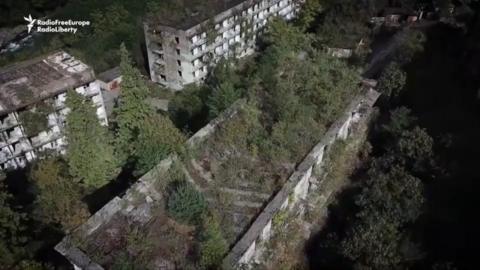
(213, 245)
(185, 203)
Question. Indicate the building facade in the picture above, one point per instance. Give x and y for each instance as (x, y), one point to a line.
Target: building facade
(180, 54)
(32, 105)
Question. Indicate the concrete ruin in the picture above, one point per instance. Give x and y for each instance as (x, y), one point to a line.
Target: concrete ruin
(41, 82)
(253, 210)
(182, 45)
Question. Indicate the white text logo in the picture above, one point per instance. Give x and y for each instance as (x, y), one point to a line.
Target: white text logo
(30, 21)
(54, 26)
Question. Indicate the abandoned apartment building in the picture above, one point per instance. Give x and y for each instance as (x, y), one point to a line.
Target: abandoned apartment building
(181, 48)
(32, 105)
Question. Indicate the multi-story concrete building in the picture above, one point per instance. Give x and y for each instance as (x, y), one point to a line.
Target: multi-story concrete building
(180, 49)
(32, 105)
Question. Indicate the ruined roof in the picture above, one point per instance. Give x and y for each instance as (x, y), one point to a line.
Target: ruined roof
(188, 13)
(110, 75)
(28, 82)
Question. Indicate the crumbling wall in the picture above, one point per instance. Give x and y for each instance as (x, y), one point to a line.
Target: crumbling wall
(128, 205)
(249, 249)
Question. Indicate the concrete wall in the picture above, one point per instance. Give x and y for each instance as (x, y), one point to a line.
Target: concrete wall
(227, 28)
(249, 249)
(126, 205)
(251, 246)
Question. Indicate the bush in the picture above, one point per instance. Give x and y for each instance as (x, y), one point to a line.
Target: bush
(392, 80)
(212, 246)
(185, 203)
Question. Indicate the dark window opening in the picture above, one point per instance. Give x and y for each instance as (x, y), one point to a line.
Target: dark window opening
(179, 73)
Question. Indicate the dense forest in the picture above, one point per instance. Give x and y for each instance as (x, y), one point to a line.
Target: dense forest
(411, 202)
(410, 206)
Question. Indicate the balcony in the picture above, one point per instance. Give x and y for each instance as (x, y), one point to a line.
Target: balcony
(15, 134)
(45, 137)
(4, 155)
(21, 147)
(8, 122)
(52, 120)
(59, 103)
(92, 90)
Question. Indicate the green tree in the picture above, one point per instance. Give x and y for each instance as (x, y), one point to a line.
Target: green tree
(156, 140)
(344, 25)
(221, 98)
(389, 202)
(12, 229)
(59, 197)
(129, 116)
(396, 195)
(415, 148)
(392, 80)
(225, 87)
(187, 109)
(400, 119)
(309, 12)
(410, 46)
(141, 134)
(90, 157)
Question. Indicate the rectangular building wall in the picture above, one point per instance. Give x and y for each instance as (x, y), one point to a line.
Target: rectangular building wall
(17, 147)
(178, 57)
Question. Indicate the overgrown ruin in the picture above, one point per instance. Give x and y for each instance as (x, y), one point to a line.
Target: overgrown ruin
(249, 209)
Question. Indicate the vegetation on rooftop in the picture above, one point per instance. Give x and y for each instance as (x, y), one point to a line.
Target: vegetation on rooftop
(35, 120)
(185, 203)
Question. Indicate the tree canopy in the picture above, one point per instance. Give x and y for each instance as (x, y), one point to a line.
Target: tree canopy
(90, 157)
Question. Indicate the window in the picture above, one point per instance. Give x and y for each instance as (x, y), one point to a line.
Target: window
(195, 51)
(196, 62)
(178, 51)
(179, 73)
(163, 77)
(179, 63)
(196, 73)
(204, 35)
(204, 47)
(204, 69)
(194, 39)
(225, 23)
(160, 56)
(177, 40)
